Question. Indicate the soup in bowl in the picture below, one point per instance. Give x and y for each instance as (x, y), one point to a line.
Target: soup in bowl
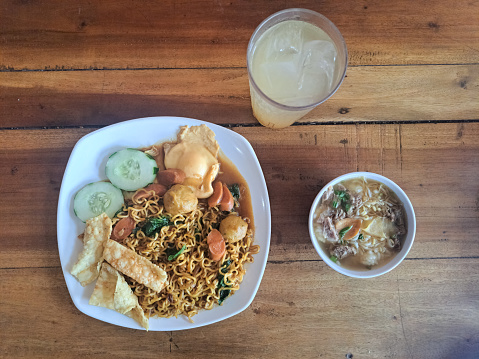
(362, 224)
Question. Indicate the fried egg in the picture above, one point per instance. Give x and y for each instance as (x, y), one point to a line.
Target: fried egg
(196, 153)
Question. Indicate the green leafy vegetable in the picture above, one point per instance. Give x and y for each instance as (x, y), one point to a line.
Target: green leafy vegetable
(342, 195)
(343, 231)
(172, 255)
(223, 271)
(154, 225)
(235, 190)
(360, 236)
(334, 258)
(224, 293)
(224, 268)
(341, 198)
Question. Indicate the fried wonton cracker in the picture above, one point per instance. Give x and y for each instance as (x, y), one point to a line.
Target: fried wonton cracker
(134, 266)
(97, 231)
(137, 314)
(201, 135)
(113, 292)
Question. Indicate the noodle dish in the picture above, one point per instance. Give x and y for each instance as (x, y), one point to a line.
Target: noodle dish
(360, 224)
(169, 233)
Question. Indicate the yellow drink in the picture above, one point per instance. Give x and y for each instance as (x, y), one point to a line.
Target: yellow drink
(293, 66)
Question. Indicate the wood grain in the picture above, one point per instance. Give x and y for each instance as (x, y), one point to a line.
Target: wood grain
(183, 34)
(436, 165)
(382, 93)
(408, 109)
(302, 309)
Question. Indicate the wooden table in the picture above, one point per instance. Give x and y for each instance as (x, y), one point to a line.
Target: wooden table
(408, 109)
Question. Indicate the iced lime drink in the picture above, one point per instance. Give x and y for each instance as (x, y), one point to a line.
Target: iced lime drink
(293, 66)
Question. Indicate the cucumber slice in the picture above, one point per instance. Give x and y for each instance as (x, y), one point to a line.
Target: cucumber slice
(131, 169)
(96, 198)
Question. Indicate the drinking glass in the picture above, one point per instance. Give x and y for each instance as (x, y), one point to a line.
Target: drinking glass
(274, 111)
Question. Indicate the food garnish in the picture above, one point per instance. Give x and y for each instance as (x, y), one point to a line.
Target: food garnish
(217, 195)
(154, 225)
(343, 231)
(97, 198)
(123, 228)
(134, 266)
(131, 169)
(175, 254)
(225, 289)
(235, 191)
(196, 154)
(113, 292)
(171, 176)
(227, 202)
(97, 232)
(216, 244)
(154, 189)
(233, 228)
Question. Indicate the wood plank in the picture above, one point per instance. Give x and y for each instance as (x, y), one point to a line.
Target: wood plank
(436, 165)
(423, 309)
(73, 98)
(184, 34)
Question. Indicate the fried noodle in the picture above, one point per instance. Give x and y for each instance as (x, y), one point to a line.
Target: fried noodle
(192, 276)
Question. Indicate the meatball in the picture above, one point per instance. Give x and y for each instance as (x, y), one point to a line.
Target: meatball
(233, 228)
(180, 199)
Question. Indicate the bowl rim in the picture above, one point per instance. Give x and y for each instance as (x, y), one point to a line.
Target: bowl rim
(411, 227)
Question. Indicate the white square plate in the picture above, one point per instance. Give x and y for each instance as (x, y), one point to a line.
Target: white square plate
(87, 164)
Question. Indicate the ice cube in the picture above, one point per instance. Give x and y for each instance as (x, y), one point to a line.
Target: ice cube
(319, 60)
(278, 79)
(286, 42)
(316, 86)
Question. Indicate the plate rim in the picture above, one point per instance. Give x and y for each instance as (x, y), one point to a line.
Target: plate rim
(64, 198)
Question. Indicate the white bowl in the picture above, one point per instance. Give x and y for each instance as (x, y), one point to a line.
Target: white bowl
(410, 220)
